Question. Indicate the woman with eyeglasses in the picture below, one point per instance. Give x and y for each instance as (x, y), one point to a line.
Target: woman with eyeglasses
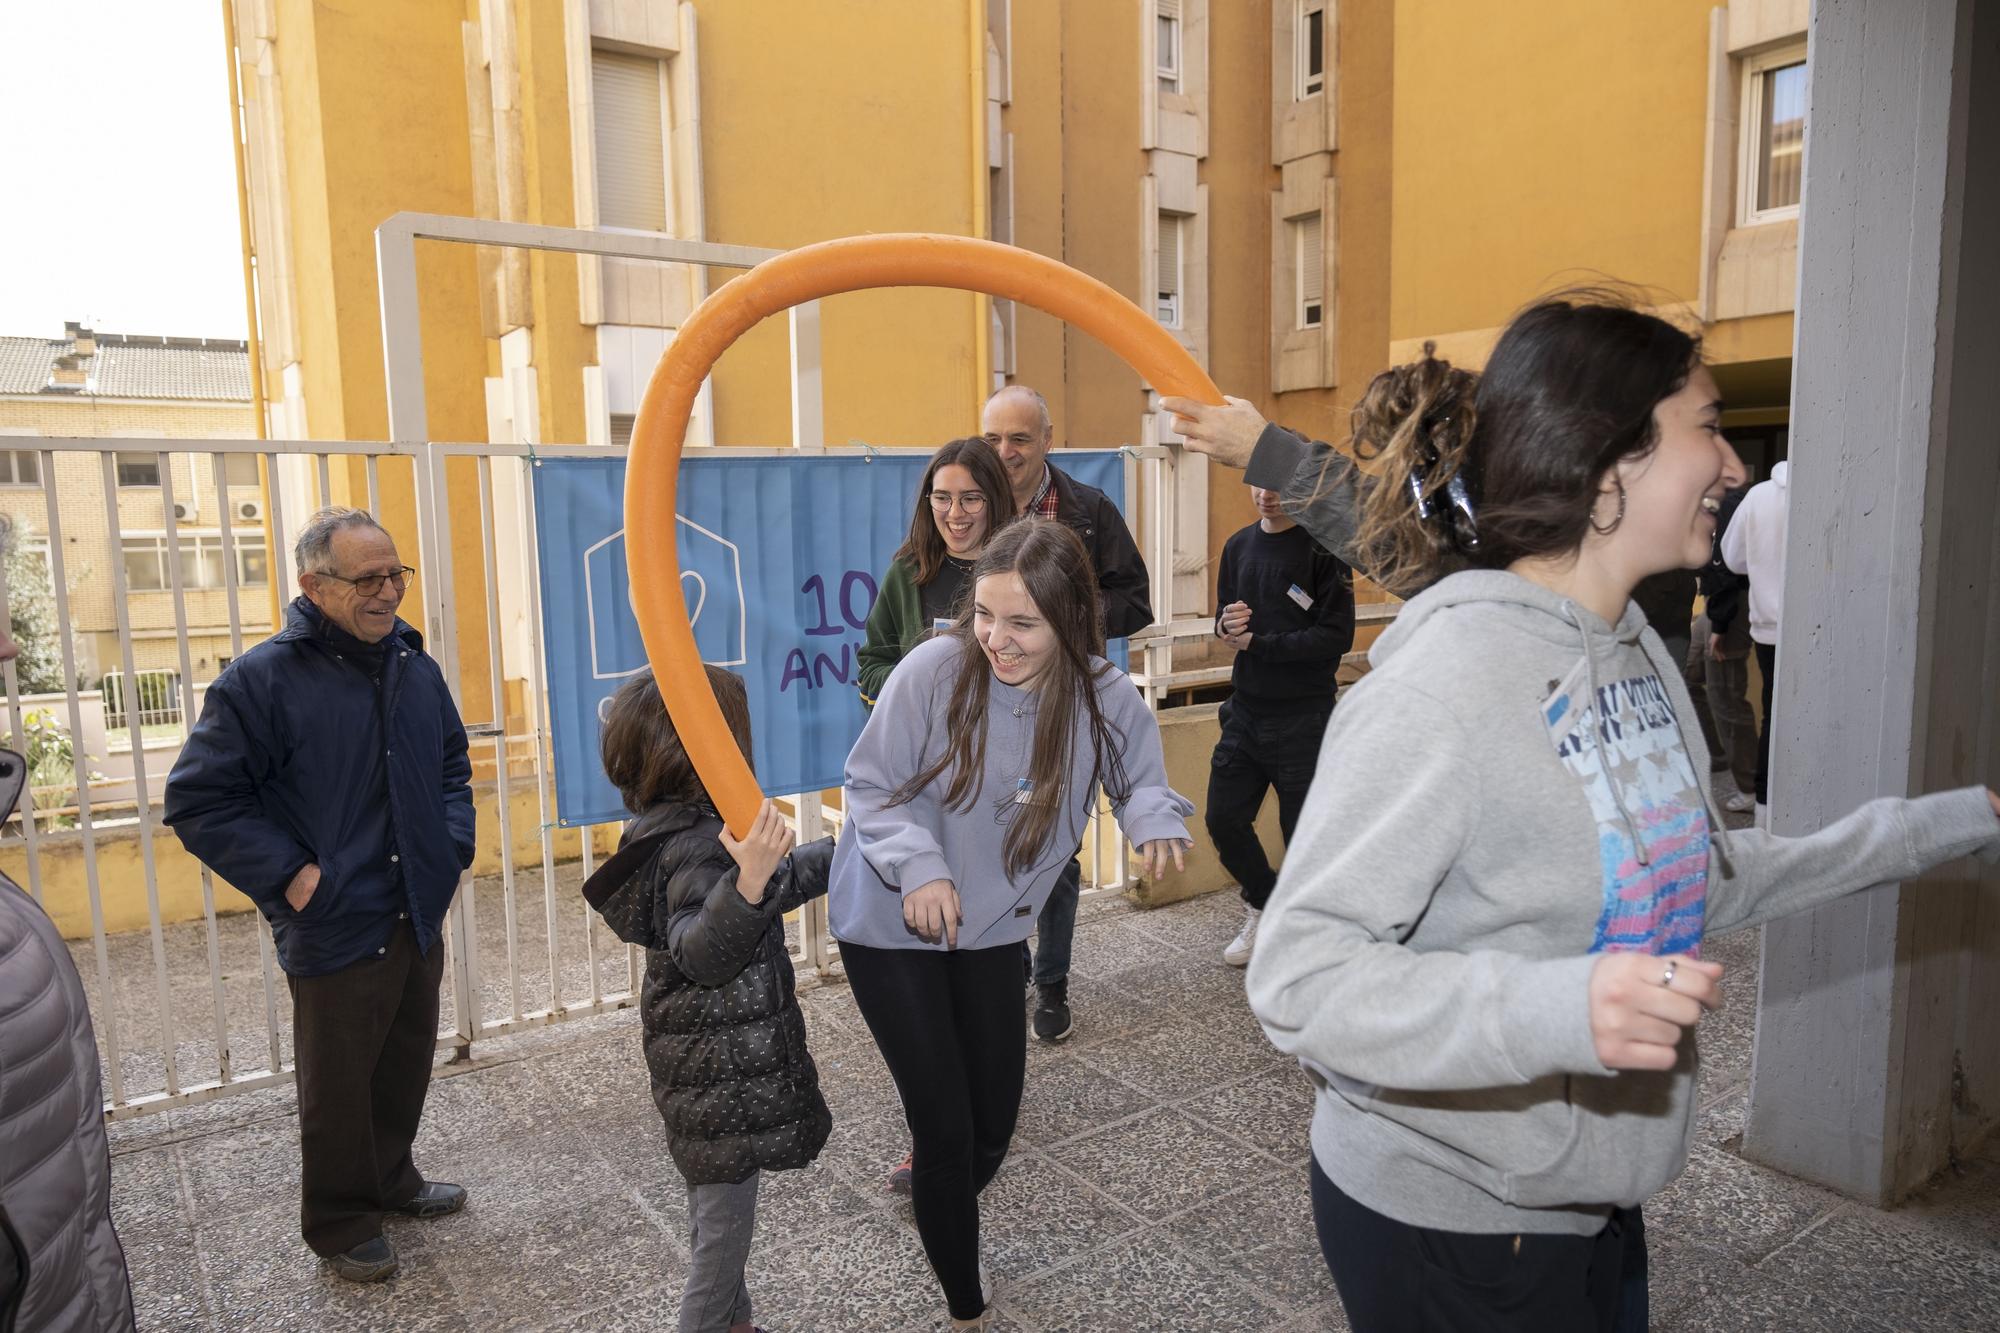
(963, 501)
(1485, 944)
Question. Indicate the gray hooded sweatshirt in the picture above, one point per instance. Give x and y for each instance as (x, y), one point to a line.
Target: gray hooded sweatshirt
(1507, 794)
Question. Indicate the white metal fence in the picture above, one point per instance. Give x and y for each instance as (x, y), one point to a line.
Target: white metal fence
(190, 1010)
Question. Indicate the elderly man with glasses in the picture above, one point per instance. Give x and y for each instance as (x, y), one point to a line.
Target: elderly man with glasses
(328, 780)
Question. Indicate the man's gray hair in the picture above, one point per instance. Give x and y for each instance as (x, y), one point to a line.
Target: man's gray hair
(1041, 404)
(313, 551)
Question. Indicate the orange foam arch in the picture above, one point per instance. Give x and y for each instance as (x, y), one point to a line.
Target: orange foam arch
(856, 263)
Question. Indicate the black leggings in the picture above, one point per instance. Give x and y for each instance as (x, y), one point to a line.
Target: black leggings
(1394, 1277)
(953, 1030)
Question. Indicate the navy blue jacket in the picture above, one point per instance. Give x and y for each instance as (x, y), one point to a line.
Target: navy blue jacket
(299, 758)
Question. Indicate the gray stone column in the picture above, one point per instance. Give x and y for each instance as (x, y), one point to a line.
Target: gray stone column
(1878, 1029)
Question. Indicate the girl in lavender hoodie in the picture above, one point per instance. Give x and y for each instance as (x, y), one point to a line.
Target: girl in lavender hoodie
(966, 794)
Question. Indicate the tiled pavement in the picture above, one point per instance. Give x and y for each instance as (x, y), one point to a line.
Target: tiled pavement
(1157, 1183)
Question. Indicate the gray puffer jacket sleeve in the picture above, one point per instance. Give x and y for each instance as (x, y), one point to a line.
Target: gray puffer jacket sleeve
(66, 1269)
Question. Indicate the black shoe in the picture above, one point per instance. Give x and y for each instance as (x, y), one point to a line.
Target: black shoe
(434, 1199)
(1052, 1020)
(373, 1260)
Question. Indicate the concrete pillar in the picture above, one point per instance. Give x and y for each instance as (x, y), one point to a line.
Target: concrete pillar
(1878, 1050)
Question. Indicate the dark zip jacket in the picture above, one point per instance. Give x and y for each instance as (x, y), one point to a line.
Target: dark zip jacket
(301, 757)
(1121, 571)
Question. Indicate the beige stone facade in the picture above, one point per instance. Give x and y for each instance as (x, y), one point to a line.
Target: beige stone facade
(64, 405)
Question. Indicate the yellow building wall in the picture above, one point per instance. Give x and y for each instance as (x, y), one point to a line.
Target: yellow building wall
(825, 120)
(1552, 143)
(375, 122)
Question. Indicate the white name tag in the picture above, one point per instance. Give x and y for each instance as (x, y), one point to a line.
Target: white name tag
(1299, 595)
(940, 625)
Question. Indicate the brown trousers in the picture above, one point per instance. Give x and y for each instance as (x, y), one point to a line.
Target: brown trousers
(364, 1037)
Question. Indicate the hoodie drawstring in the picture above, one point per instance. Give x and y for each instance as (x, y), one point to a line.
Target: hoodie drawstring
(1597, 740)
(1718, 830)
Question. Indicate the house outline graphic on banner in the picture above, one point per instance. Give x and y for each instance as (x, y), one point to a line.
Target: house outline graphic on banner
(723, 551)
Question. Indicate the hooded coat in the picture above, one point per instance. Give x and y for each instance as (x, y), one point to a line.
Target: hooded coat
(725, 1040)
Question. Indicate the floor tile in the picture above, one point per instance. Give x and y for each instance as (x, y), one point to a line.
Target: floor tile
(1162, 1163)
(1143, 1285)
(1177, 1061)
(1035, 1216)
(1914, 1279)
(1065, 1097)
(1271, 1110)
(1723, 1201)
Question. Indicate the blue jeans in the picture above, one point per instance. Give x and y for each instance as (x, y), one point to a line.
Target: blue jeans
(1055, 932)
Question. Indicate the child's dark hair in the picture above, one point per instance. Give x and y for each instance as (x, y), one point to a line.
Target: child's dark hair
(1568, 392)
(642, 752)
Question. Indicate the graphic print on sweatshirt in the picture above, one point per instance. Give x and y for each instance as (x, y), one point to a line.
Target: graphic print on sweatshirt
(1654, 908)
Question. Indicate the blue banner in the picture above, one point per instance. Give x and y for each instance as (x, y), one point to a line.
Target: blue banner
(780, 562)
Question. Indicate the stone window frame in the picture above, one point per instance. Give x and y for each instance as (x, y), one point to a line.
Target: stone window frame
(634, 291)
(1749, 137)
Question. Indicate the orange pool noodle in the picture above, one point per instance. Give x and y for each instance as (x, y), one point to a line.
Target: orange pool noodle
(855, 263)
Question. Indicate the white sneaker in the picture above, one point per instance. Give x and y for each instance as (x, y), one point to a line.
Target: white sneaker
(1238, 952)
(1742, 803)
(1763, 820)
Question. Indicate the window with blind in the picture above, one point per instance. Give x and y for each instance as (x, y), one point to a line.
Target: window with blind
(1167, 44)
(1774, 135)
(630, 123)
(1167, 303)
(1309, 41)
(1309, 266)
(621, 429)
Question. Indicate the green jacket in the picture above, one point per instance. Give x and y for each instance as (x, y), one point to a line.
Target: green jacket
(894, 627)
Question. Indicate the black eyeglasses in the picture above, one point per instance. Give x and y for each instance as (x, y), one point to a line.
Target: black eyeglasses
(369, 585)
(972, 502)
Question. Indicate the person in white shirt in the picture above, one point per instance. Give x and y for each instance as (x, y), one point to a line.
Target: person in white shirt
(1754, 546)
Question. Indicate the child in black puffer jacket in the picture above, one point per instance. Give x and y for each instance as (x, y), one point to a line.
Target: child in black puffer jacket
(725, 1041)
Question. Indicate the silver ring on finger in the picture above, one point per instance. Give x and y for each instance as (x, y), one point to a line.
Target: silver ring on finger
(1667, 979)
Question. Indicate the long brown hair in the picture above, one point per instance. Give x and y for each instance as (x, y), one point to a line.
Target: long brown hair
(924, 549)
(642, 752)
(1568, 392)
(1055, 569)
(1414, 422)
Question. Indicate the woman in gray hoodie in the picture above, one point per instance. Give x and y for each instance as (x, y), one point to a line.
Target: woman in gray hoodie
(1485, 942)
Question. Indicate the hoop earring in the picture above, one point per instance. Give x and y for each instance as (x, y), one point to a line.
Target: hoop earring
(1618, 518)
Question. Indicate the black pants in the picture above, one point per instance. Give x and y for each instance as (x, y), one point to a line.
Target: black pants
(952, 1029)
(1396, 1278)
(364, 1037)
(1258, 751)
(1767, 667)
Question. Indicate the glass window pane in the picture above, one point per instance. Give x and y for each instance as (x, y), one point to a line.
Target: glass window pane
(239, 469)
(1782, 135)
(251, 567)
(145, 565)
(138, 469)
(27, 468)
(201, 562)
